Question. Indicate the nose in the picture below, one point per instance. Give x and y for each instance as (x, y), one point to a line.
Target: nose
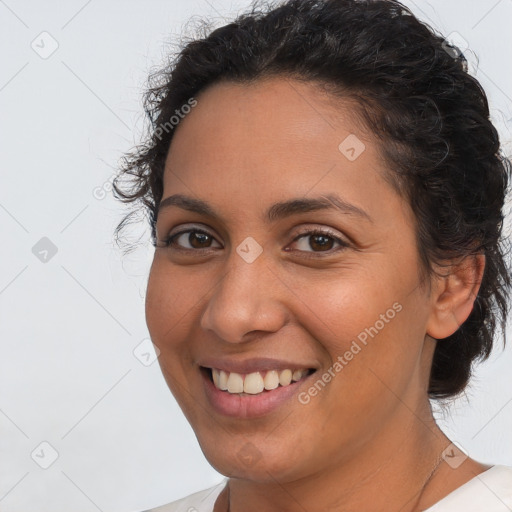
(249, 297)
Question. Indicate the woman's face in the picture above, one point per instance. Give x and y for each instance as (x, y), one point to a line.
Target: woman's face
(267, 286)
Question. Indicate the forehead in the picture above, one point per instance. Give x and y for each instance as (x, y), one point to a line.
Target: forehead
(246, 146)
(277, 110)
(276, 122)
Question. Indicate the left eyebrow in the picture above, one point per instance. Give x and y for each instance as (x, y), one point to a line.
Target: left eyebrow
(277, 211)
(304, 205)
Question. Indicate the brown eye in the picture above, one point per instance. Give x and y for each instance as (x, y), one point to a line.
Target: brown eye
(319, 241)
(198, 240)
(195, 239)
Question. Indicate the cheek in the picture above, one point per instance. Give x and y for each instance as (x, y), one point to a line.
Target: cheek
(170, 301)
(171, 295)
(367, 327)
(348, 307)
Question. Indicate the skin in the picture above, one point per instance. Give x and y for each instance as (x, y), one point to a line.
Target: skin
(370, 430)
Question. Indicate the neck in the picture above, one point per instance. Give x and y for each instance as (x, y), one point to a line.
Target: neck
(396, 465)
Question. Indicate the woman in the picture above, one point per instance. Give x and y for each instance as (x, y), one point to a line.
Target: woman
(325, 193)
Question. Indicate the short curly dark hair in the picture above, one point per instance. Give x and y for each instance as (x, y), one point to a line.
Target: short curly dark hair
(411, 88)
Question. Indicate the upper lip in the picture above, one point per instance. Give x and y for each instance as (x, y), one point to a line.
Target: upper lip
(250, 365)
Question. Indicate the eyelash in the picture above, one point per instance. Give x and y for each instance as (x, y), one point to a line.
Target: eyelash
(169, 242)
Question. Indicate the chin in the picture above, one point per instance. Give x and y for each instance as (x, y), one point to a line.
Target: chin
(245, 460)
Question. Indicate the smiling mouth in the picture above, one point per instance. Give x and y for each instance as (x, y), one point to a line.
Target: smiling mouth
(255, 383)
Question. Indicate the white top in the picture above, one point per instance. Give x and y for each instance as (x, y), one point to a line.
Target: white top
(490, 491)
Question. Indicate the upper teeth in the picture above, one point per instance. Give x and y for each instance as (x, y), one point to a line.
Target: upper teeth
(254, 383)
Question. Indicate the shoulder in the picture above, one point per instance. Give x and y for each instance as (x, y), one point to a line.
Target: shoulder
(202, 501)
(490, 491)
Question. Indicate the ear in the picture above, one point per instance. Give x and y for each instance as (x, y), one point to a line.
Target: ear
(453, 296)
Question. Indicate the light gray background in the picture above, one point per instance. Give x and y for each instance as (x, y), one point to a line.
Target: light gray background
(69, 326)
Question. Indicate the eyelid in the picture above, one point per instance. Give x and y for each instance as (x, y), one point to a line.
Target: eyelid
(304, 232)
(311, 229)
(183, 228)
(193, 226)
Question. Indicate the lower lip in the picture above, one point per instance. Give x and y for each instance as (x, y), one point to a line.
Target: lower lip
(249, 406)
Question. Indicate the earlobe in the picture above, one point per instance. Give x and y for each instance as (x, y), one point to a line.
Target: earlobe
(453, 296)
